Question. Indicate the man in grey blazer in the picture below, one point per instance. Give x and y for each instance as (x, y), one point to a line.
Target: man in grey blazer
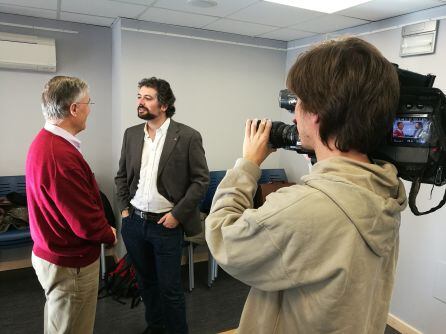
(162, 177)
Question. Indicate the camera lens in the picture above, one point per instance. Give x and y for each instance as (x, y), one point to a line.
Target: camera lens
(283, 135)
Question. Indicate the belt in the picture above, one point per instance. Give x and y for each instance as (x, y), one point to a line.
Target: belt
(148, 215)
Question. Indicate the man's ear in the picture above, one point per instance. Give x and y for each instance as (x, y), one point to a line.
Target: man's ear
(73, 109)
(164, 108)
(315, 118)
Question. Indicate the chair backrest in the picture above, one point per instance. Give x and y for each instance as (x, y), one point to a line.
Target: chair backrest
(214, 180)
(272, 175)
(12, 183)
(13, 238)
(108, 210)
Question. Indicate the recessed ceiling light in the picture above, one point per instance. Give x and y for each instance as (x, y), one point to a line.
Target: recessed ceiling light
(321, 5)
(203, 3)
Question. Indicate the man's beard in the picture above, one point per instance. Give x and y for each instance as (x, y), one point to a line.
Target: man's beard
(147, 116)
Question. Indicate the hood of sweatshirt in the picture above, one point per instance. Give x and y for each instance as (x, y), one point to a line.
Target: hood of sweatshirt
(370, 195)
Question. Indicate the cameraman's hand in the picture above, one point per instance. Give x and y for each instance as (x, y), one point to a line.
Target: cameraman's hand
(255, 146)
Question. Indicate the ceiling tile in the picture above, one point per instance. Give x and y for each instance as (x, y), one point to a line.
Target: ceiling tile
(274, 14)
(381, 9)
(286, 34)
(224, 7)
(238, 27)
(89, 19)
(102, 8)
(40, 4)
(136, 2)
(178, 18)
(328, 23)
(27, 11)
(244, 17)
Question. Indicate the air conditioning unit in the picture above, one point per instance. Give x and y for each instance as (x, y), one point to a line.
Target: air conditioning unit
(27, 52)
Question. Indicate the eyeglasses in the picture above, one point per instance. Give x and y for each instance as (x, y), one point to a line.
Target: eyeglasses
(89, 102)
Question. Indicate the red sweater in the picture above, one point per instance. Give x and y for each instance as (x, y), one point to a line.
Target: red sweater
(66, 216)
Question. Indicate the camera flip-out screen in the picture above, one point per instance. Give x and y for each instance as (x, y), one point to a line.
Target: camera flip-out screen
(413, 130)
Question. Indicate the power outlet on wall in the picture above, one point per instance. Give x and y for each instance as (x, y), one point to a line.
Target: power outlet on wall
(440, 282)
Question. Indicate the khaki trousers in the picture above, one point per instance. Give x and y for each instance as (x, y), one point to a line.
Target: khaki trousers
(71, 296)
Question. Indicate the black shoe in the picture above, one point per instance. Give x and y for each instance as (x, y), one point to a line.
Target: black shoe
(155, 330)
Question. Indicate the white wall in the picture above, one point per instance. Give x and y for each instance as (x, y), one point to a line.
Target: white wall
(422, 239)
(419, 296)
(217, 85)
(219, 80)
(87, 55)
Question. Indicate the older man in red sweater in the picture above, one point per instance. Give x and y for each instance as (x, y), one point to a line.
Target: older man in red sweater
(67, 219)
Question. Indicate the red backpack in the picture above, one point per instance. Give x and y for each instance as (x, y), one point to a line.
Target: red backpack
(120, 283)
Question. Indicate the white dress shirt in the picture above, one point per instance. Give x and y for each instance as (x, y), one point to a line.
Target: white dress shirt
(147, 197)
(58, 131)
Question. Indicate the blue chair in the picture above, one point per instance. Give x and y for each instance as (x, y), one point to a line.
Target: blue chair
(13, 238)
(268, 175)
(214, 179)
(19, 238)
(12, 183)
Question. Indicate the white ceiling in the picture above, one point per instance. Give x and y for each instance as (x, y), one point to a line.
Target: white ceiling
(245, 17)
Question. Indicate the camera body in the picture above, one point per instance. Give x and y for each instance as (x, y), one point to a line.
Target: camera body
(419, 149)
(416, 145)
(284, 135)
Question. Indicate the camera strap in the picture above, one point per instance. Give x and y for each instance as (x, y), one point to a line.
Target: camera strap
(414, 189)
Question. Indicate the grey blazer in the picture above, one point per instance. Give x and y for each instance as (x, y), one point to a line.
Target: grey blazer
(183, 175)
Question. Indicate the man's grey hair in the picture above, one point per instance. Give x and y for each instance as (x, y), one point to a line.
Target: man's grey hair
(59, 93)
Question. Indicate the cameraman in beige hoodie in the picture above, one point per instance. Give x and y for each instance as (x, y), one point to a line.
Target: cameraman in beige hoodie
(321, 256)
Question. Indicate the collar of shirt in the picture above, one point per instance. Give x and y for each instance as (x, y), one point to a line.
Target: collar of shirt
(160, 131)
(58, 131)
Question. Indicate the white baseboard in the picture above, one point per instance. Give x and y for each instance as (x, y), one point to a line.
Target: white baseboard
(400, 325)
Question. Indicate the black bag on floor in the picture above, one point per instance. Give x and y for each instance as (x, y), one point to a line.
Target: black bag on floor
(120, 283)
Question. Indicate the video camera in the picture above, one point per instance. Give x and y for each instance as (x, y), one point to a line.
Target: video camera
(416, 144)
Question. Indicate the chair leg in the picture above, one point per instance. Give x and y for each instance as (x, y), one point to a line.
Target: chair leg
(190, 251)
(215, 268)
(103, 266)
(210, 269)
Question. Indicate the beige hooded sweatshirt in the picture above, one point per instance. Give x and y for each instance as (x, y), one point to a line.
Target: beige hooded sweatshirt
(320, 257)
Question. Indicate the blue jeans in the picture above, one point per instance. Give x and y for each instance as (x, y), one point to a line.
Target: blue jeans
(156, 254)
